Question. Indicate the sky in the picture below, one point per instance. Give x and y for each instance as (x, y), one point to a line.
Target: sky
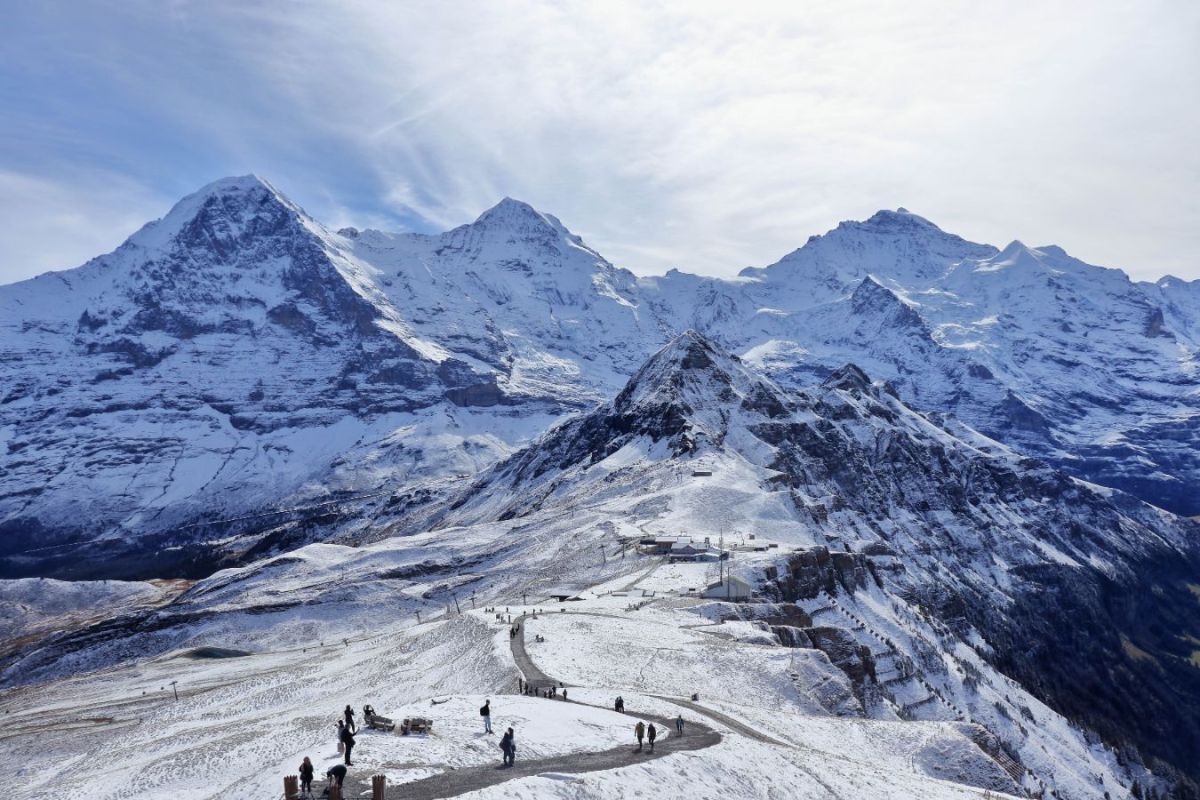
(707, 136)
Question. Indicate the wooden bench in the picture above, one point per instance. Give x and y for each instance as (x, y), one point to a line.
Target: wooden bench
(415, 725)
(380, 723)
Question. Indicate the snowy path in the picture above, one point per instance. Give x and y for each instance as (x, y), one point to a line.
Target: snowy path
(537, 678)
(460, 781)
(725, 719)
(534, 676)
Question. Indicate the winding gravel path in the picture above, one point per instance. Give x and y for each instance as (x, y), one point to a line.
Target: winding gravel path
(696, 736)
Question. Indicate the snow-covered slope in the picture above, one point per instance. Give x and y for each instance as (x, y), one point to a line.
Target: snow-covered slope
(912, 573)
(1041, 574)
(522, 294)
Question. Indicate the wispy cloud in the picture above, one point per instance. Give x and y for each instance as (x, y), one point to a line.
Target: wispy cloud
(703, 135)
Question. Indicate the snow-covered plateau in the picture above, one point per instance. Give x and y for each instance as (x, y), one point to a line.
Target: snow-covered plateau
(905, 514)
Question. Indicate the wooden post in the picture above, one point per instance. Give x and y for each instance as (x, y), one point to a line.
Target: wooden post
(291, 787)
(378, 786)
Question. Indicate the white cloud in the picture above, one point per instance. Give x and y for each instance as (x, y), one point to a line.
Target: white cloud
(706, 135)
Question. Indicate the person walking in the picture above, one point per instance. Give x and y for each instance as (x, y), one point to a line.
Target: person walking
(348, 741)
(509, 746)
(486, 712)
(639, 732)
(651, 735)
(679, 724)
(306, 776)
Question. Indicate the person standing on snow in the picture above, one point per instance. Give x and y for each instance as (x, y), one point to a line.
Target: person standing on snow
(651, 734)
(349, 716)
(486, 712)
(619, 706)
(509, 746)
(679, 724)
(306, 776)
(348, 741)
(639, 732)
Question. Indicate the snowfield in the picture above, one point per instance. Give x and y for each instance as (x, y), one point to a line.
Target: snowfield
(242, 722)
(245, 720)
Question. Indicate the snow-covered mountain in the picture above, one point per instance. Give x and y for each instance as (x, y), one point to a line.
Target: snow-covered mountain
(236, 359)
(236, 353)
(1068, 362)
(1006, 561)
(905, 566)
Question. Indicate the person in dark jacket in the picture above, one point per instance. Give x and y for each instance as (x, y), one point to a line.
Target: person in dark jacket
(651, 735)
(306, 776)
(619, 706)
(486, 713)
(336, 774)
(509, 746)
(349, 715)
(639, 732)
(348, 741)
(679, 724)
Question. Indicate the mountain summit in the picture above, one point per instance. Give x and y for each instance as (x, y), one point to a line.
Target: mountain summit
(217, 345)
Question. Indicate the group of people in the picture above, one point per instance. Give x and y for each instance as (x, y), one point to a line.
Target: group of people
(643, 732)
(336, 775)
(549, 692)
